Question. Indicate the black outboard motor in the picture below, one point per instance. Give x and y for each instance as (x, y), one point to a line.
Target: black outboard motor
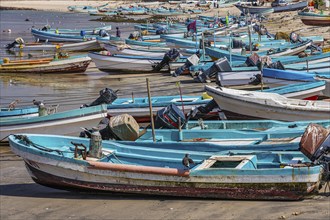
(17, 41)
(238, 44)
(276, 65)
(192, 60)
(168, 117)
(103, 33)
(171, 55)
(107, 96)
(220, 65)
(161, 30)
(252, 60)
(315, 144)
(294, 38)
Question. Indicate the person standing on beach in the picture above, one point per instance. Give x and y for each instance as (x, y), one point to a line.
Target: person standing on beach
(117, 32)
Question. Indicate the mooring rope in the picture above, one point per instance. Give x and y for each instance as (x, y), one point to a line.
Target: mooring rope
(39, 147)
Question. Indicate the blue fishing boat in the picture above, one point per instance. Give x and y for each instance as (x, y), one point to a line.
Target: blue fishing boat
(64, 123)
(145, 43)
(63, 163)
(29, 111)
(276, 77)
(40, 35)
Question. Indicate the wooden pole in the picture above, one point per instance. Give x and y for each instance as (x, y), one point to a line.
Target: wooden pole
(133, 97)
(150, 111)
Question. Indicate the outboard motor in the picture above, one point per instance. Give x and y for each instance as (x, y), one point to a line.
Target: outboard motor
(315, 144)
(107, 96)
(168, 117)
(161, 30)
(17, 41)
(220, 65)
(238, 44)
(294, 38)
(103, 33)
(171, 55)
(276, 65)
(192, 60)
(252, 60)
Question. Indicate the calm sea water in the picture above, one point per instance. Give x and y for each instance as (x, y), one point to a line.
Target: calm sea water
(68, 90)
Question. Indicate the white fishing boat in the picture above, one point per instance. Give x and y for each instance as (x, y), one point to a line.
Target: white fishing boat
(63, 123)
(107, 62)
(89, 45)
(268, 105)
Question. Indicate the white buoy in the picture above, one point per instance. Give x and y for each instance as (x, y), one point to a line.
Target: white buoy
(9, 30)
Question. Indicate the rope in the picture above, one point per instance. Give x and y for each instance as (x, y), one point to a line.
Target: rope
(39, 147)
(2, 140)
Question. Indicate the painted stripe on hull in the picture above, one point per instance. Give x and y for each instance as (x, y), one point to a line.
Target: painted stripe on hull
(286, 191)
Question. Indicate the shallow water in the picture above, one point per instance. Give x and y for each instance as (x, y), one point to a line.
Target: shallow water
(68, 90)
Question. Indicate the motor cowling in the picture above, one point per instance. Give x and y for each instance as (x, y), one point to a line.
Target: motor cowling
(169, 56)
(107, 96)
(221, 65)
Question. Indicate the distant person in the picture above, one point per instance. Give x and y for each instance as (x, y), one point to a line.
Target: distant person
(117, 32)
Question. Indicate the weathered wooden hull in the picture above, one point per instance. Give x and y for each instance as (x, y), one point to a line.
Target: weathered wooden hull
(254, 10)
(309, 18)
(148, 169)
(74, 65)
(104, 181)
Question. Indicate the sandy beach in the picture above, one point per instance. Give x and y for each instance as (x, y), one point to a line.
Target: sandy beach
(21, 198)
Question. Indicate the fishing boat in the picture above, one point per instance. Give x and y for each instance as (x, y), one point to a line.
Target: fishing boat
(89, 45)
(283, 5)
(85, 30)
(40, 35)
(276, 77)
(138, 107)
(134, 50)
(253, 104)
(145, 43)
(107, 62)
(19, 112)
(277, 138)
(63, 123)
(73, 64)
(309, 90)
(276, 52)
(62, 163)
(248, 8)
(314, 18)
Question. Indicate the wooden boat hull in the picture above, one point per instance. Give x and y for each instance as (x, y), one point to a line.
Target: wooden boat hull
(240, 191)
(314, 19)
(276, 108)
(51, 169)
(254, 10)
(71, 65)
